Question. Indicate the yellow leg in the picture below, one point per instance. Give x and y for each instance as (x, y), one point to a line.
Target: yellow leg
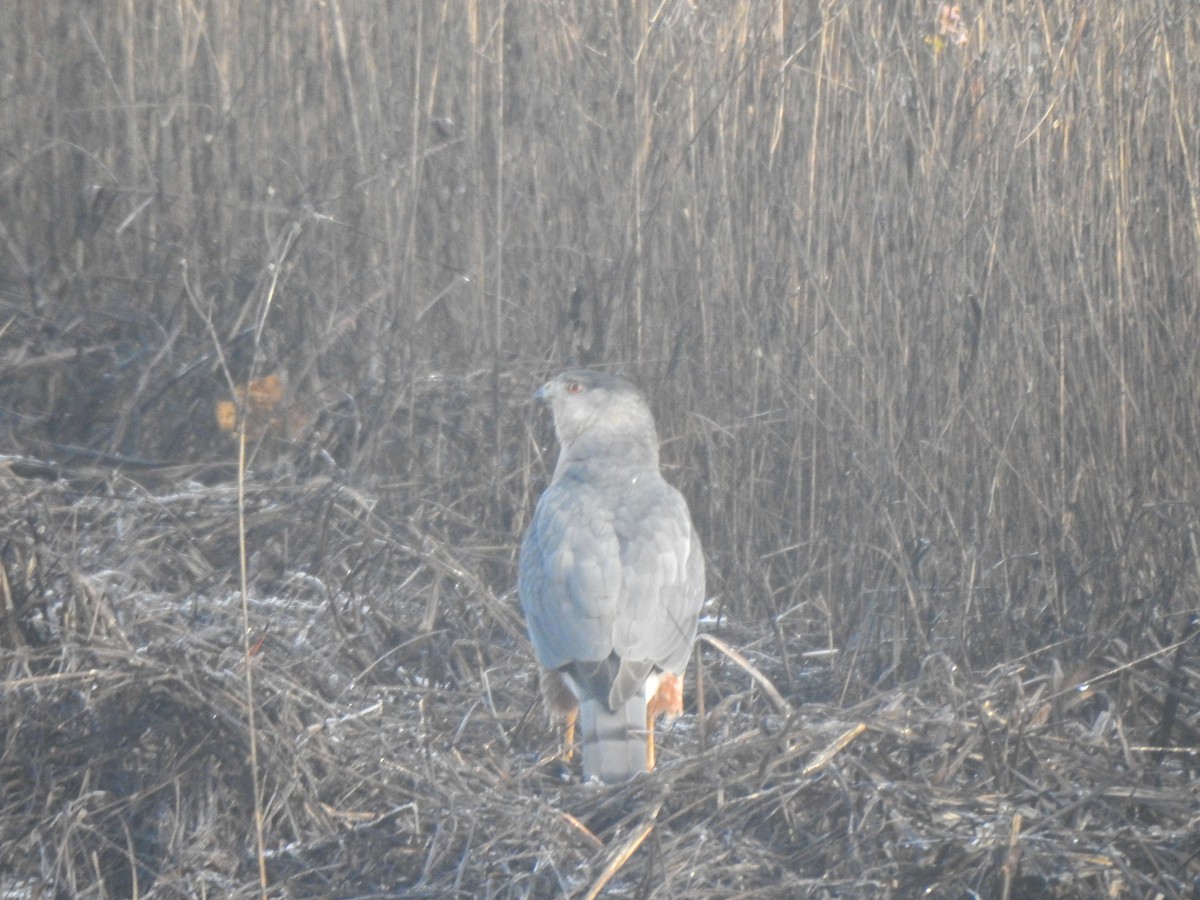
(667, 700)
(650, 714)
(560, 701)
(569, 737)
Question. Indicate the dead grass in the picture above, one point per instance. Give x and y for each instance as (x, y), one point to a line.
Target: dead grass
(914, 298)
(402, 751)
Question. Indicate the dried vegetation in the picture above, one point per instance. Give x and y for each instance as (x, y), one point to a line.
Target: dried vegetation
(914, 289)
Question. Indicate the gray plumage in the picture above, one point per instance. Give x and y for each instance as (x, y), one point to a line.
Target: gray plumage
(611, 571)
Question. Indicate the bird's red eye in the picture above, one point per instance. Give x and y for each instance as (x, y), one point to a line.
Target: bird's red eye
(574, 387)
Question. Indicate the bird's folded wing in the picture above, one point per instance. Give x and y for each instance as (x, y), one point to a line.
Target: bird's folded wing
(570, 578)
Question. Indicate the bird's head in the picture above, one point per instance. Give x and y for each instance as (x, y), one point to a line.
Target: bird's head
(597, 411)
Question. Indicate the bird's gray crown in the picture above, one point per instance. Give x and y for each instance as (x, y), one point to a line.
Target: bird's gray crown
(600, 415)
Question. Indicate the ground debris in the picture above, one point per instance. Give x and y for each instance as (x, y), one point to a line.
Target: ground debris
(402, 752)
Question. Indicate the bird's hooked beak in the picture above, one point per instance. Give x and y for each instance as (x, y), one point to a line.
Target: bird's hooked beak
(542, 393)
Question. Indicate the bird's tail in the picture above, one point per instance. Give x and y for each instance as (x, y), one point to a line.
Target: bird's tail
(614, 743)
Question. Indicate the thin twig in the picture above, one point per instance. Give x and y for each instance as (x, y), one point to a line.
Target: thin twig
(622, 854)
(771, 691)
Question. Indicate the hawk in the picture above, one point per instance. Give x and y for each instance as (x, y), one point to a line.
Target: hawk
(611, 576)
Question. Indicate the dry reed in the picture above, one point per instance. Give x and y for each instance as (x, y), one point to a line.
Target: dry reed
(914, 293)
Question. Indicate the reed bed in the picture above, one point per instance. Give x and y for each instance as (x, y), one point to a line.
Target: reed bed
(912, 289)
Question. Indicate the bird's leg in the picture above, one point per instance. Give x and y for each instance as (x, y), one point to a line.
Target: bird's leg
(560, 700)
(668, 701)
(569, 736)
(650, 716)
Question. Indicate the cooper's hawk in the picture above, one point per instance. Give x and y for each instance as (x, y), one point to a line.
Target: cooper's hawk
(611, 576)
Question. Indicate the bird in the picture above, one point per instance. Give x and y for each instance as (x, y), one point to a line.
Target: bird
(610, 576)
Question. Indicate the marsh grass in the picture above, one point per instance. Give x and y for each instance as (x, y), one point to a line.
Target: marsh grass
(914, 300)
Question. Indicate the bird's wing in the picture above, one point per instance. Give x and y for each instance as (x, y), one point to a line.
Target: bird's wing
(570, 576)
(662, 583)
